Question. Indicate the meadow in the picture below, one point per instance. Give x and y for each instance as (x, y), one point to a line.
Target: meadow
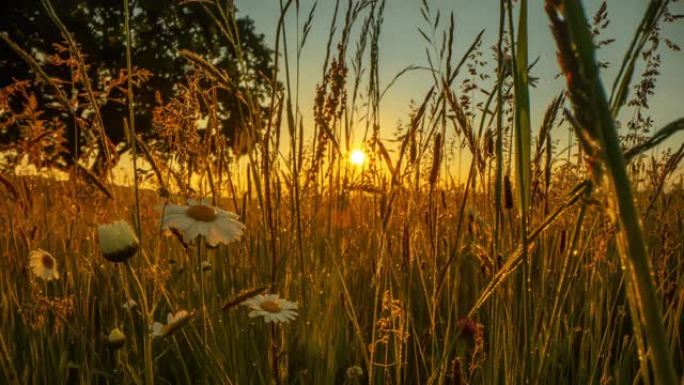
(546, 262)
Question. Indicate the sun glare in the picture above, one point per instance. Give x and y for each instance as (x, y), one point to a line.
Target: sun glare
(357, 157)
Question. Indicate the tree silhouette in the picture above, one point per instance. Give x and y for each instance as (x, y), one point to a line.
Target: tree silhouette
(161, 29)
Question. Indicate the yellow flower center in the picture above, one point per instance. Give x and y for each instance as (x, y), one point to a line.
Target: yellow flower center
(47, 261)
(202, 213)
(270, 306)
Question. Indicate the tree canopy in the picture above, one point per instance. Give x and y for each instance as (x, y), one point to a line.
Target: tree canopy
(160, 30)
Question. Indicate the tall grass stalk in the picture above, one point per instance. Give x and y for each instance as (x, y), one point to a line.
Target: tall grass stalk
(577, 59)
(522, 168)
(498, 190)
(132, 142)
(147, 338)
(104, 143)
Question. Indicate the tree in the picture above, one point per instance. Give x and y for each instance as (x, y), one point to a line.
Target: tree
(161, 29)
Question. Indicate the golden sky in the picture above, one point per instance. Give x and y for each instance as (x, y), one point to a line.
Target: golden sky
(401, 45)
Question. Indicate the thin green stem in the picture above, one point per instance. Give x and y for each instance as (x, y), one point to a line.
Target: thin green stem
(147, 318)
(597, 124)
(131, 120)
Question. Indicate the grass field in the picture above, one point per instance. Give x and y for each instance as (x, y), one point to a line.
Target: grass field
(547, 262)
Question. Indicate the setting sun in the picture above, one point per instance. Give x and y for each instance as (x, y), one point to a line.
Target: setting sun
(357, 157)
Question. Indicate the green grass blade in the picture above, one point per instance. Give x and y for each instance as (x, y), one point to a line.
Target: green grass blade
(593, 113)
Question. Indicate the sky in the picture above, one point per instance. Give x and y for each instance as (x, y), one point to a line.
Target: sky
(401, 45)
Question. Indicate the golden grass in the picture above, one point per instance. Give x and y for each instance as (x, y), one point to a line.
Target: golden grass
(402, 274)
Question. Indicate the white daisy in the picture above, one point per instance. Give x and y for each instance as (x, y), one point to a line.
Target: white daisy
(118, 241)
(43, 265)
(272, 308)
(173, 323)
(200, 218)
(116, 339)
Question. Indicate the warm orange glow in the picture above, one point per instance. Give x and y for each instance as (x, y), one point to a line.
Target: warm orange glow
(357, 157)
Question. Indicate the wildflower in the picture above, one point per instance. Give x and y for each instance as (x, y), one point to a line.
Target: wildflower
(272, 308)
(117, 240)
(129, 304)
(199, 218)
(116, 339)
(173, 323)
(43, 265)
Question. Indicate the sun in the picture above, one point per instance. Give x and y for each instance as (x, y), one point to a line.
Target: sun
(357, 157)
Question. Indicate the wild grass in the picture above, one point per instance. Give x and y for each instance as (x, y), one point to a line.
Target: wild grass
(536, 268)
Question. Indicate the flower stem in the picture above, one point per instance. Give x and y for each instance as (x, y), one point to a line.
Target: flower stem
(274, 347)
(200, 254)
(131, 120)
(147, 317)
(201, 247)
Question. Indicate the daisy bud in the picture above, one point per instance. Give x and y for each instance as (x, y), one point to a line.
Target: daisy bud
(354, 372)
(177, 321)
(173, 323)
(118, 241)
(157, 330)
(205, 265)
(129, 304)
(116, 339)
